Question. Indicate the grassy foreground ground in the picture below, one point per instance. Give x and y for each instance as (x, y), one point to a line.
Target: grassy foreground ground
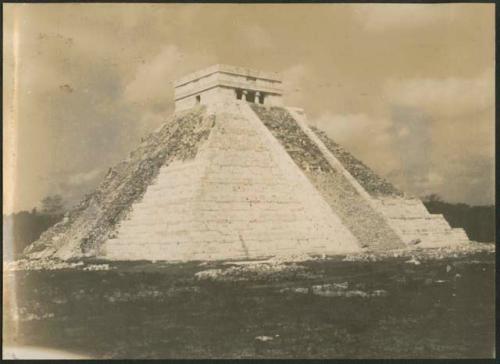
(396, 307)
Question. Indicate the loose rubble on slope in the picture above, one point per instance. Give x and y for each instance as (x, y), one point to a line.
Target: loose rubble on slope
(371, 182)
(94, 219)
(298, 145)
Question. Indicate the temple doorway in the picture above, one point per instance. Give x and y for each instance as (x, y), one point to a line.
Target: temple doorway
(251, 96)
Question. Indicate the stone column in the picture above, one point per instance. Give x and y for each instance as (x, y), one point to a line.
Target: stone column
(257, 97)
(244, 97)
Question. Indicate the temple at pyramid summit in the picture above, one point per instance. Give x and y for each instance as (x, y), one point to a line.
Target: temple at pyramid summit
(226, 83)
(235, 174)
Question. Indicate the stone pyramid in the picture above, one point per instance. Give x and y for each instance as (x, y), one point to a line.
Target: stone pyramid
(235, 175)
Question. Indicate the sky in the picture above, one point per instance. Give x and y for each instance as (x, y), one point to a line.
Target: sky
(408, 89)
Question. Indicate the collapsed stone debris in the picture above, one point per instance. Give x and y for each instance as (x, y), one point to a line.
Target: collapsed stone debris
(335, 290)
(254, 272)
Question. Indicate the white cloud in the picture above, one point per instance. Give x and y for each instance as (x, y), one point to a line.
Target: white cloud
(429, 183)
(256, 37)
(349, 129)
(450, 97)
(457, 142)
(153, 79)
(367, 137)
(84, 178)
(293, 81)
(152, 84)
(379, 17)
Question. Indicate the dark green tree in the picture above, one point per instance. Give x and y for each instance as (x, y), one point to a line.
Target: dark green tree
(53, 205)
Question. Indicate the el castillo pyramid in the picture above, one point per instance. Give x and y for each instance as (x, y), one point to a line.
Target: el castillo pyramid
(234, 174)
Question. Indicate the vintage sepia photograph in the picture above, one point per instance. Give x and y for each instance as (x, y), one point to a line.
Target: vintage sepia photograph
(248, 181)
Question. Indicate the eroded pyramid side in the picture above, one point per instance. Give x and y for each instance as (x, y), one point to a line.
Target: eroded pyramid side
(337, 187)
(92, 221)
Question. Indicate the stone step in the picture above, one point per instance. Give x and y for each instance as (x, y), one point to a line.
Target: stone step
(183, 252)
(148, 226)
(459, 233)
(421, 225)
(241, 142)
(235, 197)
(217, 179)
(236, 129)
(174, 238)
(230, 199)
(179, 165)
(149, 204)
(242, 155)
(257, 185)
(257, 179)
(227, 209)
(175, 179)
(173, 184)
(184, 182)
(226, 146)
(402, 209)
(387, 201)
(159, 197)
(426, 232)
(165, 215)
(224, 162)
(426, 217)
(252, 244)
(162, 198)
(187, 237)
(208, 232)
(214, 235)
(238, 211)
(244, 171)
(405, 214)
(191, 169)
(152, 220)
(215, 218)
(436, 238)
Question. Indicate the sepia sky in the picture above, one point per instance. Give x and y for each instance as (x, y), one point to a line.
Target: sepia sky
(408, 89)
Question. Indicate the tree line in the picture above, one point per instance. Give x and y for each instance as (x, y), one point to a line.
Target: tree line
(477, 221)
(22, 228)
